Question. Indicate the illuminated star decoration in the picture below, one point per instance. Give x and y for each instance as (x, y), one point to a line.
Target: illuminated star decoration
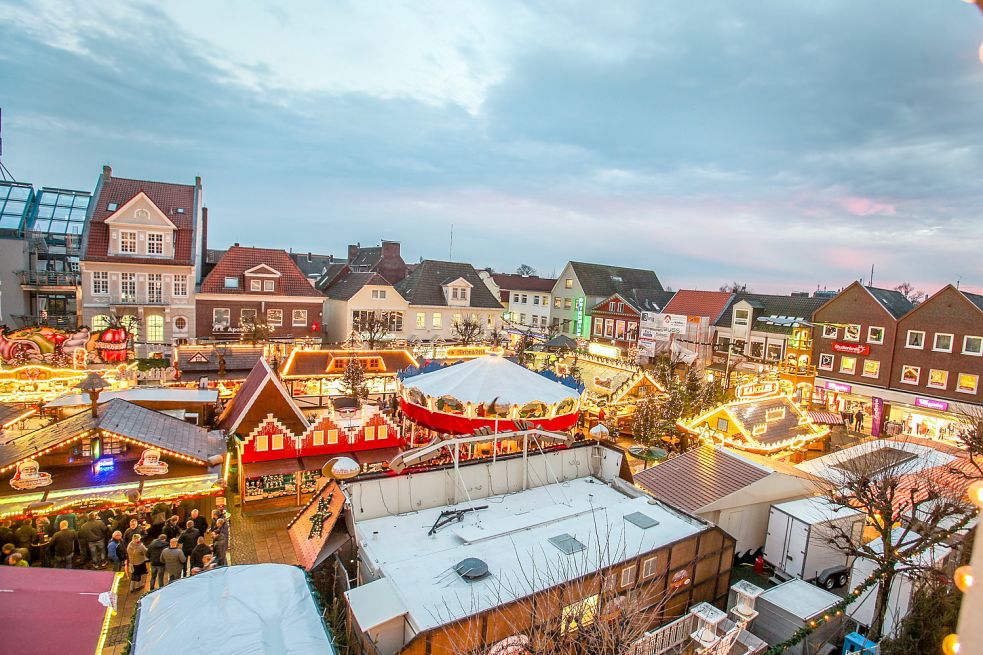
(320, 516)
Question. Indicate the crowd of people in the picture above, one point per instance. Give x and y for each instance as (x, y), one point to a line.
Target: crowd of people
(167, 541)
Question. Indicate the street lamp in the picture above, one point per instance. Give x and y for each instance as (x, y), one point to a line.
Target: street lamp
(93, 384)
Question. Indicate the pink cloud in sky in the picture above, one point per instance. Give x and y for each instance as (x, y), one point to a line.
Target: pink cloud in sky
(867, 207)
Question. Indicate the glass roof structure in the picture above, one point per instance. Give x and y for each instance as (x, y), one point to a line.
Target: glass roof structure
(60, 212)
(16, 202)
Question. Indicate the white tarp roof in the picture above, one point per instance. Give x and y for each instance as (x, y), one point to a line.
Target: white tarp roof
(149, 394)
(251, 609)
(483, 379)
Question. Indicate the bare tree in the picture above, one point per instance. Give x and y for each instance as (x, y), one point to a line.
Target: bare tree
(908, 290)
(467, 330)
(970, 434)
(525, 269)
(256, 331)
(735, 287)
(910, 510)
(373, 327)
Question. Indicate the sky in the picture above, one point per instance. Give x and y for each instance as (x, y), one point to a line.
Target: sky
(785, 144)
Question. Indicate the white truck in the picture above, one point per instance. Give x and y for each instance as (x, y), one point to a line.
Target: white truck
(797, 544)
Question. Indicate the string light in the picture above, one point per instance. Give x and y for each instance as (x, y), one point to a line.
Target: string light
(975, 493)
(950, 645)
(963, 577)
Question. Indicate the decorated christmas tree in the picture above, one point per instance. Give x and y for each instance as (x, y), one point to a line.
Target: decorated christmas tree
(353, 380)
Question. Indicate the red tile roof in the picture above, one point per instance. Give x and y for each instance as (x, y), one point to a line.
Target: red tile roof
(698, 303)
(238, 259)
(512, 282)
(167, 196)
(699, 477)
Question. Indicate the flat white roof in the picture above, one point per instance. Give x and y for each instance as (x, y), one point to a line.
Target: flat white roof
(512, 537)
(802, 599)
(375, 603)
(815, 510)
(150, 394)
(923, 457)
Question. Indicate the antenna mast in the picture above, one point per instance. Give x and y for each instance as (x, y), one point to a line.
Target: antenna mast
(4, 173)
(450, 251)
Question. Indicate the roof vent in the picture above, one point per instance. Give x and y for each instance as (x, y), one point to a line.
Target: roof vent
(113, 206)
(644, 521)
(567, 544)
(471, 569)
(179, 210)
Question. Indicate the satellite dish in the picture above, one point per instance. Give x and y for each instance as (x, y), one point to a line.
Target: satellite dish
(341, 468)
(471, 569)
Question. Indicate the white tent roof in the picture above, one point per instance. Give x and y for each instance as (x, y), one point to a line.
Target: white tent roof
(233, 610)
(146, 394)
(483, 379)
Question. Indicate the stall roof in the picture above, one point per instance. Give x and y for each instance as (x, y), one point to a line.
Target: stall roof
(487, 378)
(52, 611)
(232, 610)
(142, 394)
(307, 545)
(314, 363)
(800, 598)
(13, 412)
(261, 394)
(204, 359)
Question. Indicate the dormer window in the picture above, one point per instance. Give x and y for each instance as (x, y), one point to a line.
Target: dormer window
(255, 285)
(155, 244)
(464, 293)
(113, 206)
(127, 242)
(231, 283)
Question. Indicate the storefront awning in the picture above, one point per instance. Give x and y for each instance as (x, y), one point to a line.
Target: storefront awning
(826, 418)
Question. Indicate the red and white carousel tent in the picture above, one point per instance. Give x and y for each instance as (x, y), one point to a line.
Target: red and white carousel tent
(488, 392)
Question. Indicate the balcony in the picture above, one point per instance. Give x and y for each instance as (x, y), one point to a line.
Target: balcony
(806, 370)
(136, 299)
(63, 321)
(48, 279)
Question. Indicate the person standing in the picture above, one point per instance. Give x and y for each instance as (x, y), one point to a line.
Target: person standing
(174, 560)
(93, 535)
(198, 555)
(136, 554)
(188, 539)
(63, 546)
(220, 544)
(201, 523)
(114, 549)
(154, 551)
(858, 420)
(172, 529)
(25, 534)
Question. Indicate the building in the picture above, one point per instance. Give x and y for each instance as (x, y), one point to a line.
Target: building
(853, 343)
(526, 298)
(581, 286)
(366, 303)
(16, 201)
(312, 265)
(756, 326)
(616, 320)
(142, 258)
(441, 294)
(384, 260)
(728, 488)
(461, 557)
(252, 287)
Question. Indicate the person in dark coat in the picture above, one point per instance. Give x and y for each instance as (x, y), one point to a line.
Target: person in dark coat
(116, 551)
(858, 420)
(188, 538)
(220, 545)
(172, 529)
(198, 555)
(201, 523)
(25, 534)
(6, 533)
(93, 535)
(63, 546)
(154, 551)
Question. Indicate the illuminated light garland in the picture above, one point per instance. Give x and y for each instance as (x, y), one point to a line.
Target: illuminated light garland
(110, 611)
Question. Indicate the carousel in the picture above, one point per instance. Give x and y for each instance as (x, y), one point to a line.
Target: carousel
(488, 392)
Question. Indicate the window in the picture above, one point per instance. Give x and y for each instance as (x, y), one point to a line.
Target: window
(578, 614)
(916, 339)
(231, 283)
(318, 437)
(522, 319)
(180, 324)
(598, 327)
(488, 318)
(967, 383)
(826, 362)
(872, 368)
(515, 297)
(609, 328)
(741, 316)
(299, 318)
(535, 300)
(262, 442)
(910, 374)
(128, 286)
(649, 567)
(221, 317)
(456, 318)
(268, 286)
(568, 283)
(557, 301)
(180, 285)
(100, 322)
(619, 330)
(723, 424)
(155, 244)
(972, 345)
(128, 242)
(875, 335)
(421, 320)
(525, 299)
(155, 328)
(454, 293)
(848, 365)
(278, 441)
(274, 317)
(255, 285)
(247, 316)
(369, 433)
(378, 294)
(938, 379)
(332, 437)
(628, 575)
(851, 333)
(437, 320)
(942, 343)
(100, 283)
(829, 332)
(155, 288)
(567, 303)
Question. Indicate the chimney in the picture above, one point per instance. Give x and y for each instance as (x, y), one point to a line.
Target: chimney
(107, 171)
(390, 249)
(352, 252)
(235, 245)
(198, 181)
(309, 256)
(331, 259)
(204, 236)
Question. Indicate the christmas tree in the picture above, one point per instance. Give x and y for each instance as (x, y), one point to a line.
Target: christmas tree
(353, 380)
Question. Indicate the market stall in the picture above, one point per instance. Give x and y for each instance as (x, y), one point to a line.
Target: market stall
(314, 376)
(487, 392)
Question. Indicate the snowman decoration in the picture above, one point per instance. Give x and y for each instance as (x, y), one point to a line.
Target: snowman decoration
(29, 476)
(150, 463)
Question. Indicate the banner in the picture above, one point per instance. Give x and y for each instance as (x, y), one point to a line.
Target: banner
(876, 416)
(659, 327)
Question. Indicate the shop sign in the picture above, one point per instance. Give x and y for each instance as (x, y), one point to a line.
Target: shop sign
(29, 476)
(851, 348)
(839, 387)
(150, 463)
(579, 317)
(876, 416)
(468, 352)
(931, 403)
(756, 390)
(603, 350)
